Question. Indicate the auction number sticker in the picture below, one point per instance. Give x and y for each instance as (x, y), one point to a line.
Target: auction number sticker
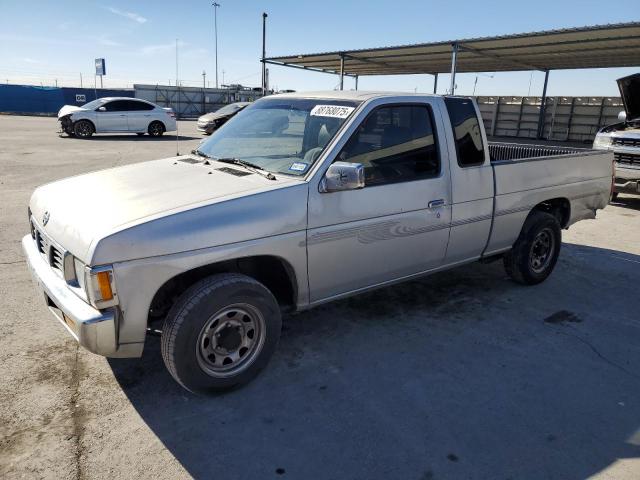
(334, 111)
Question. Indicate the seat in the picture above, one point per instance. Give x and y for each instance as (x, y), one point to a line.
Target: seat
(323, 138)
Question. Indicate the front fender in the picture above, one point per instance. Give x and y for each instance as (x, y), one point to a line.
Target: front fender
(138, 280)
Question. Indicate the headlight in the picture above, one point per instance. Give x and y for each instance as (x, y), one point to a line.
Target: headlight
(602, 141)
(100, 287)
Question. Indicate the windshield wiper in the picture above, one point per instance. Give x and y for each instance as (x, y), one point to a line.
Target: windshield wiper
(249, 166)
(199, 153)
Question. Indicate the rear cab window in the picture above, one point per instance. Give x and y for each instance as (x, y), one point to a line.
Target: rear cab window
(466, 131)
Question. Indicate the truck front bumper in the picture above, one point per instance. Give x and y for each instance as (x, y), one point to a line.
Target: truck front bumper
(627, 180)
(94, 329)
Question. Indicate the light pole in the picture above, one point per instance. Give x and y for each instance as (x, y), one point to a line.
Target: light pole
(264, 53)
(215, 29)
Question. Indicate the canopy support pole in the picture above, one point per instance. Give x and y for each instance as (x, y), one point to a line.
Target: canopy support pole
(356, 82)
(543, 104)
(435, 83)
(341, 71)
(454, 61)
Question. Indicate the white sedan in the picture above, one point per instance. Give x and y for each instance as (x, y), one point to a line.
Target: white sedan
(116, 115)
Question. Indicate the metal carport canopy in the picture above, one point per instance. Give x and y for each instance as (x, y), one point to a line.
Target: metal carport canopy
(600, 46)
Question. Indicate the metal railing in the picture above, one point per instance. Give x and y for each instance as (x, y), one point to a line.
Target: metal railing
(517, 151)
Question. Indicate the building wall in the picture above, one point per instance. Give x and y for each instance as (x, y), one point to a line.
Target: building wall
(575, 119)
(33, 100)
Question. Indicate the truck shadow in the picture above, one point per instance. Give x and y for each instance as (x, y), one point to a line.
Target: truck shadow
(463, 374)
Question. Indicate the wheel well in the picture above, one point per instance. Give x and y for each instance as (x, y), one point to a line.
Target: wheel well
(273, 272)
(558, 207)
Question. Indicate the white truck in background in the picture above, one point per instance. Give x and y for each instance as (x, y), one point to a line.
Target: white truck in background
(623, 138)
(354, 191)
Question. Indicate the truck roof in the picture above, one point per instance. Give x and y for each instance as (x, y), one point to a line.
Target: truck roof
(352, 94)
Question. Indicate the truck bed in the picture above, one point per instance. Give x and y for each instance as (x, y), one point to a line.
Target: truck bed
(526, 175)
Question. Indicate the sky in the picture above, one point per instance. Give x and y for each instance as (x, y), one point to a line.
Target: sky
(44, 42)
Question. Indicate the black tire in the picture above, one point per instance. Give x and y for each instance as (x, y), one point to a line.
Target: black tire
(83, 129)
(531, 260)
(193, 322)
(140, 134)
(156, 129)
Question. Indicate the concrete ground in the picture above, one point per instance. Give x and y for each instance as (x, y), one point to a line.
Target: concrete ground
(460, 375)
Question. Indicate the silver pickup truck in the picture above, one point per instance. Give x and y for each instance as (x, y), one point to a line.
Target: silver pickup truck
(623, 138)
(357, 191)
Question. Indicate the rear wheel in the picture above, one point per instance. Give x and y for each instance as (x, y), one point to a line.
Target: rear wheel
(156, 129)
(83, 129)
(220, 333)
(535, 253)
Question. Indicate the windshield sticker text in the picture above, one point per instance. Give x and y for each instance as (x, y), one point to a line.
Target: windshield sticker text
(334, 111)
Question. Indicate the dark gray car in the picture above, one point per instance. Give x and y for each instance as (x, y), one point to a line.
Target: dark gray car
(210, 122)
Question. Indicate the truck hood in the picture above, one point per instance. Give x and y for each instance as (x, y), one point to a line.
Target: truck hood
(630, 93)
(82, 210)
(68, 109)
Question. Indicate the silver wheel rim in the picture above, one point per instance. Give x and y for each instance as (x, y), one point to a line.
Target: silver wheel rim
(230, 340)
(542, 250)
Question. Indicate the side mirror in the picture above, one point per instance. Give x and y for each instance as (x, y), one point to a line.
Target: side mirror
(102, 109)
(622, 116)
(342, 176)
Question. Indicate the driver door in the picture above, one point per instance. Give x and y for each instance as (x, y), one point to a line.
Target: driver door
(113, 118)
(398, 224)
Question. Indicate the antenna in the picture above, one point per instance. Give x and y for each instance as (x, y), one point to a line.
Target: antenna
(178, 105)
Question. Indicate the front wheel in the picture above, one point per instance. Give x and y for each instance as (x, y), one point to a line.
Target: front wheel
(535, 253)
(220, 333)
(83, 129)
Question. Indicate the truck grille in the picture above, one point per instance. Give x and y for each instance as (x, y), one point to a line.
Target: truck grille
(53, 253)
(626, 142)
(627, 159)
(56, 259)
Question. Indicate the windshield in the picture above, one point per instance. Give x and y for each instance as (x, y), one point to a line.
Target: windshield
(234, 107)
(94, 104)
(280, 135)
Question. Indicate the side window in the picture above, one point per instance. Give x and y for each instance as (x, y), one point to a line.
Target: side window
(116, 106)
(466, 129)
(395, 144)
(133, 105)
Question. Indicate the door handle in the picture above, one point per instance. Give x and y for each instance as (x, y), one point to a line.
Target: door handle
(123, 115)
(436, 203)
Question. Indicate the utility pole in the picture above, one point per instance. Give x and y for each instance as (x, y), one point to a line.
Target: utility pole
(264, 53)
(80, 79)
(204, 85)
(215, 30)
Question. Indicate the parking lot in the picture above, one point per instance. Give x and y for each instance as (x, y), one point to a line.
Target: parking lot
(463, 374)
